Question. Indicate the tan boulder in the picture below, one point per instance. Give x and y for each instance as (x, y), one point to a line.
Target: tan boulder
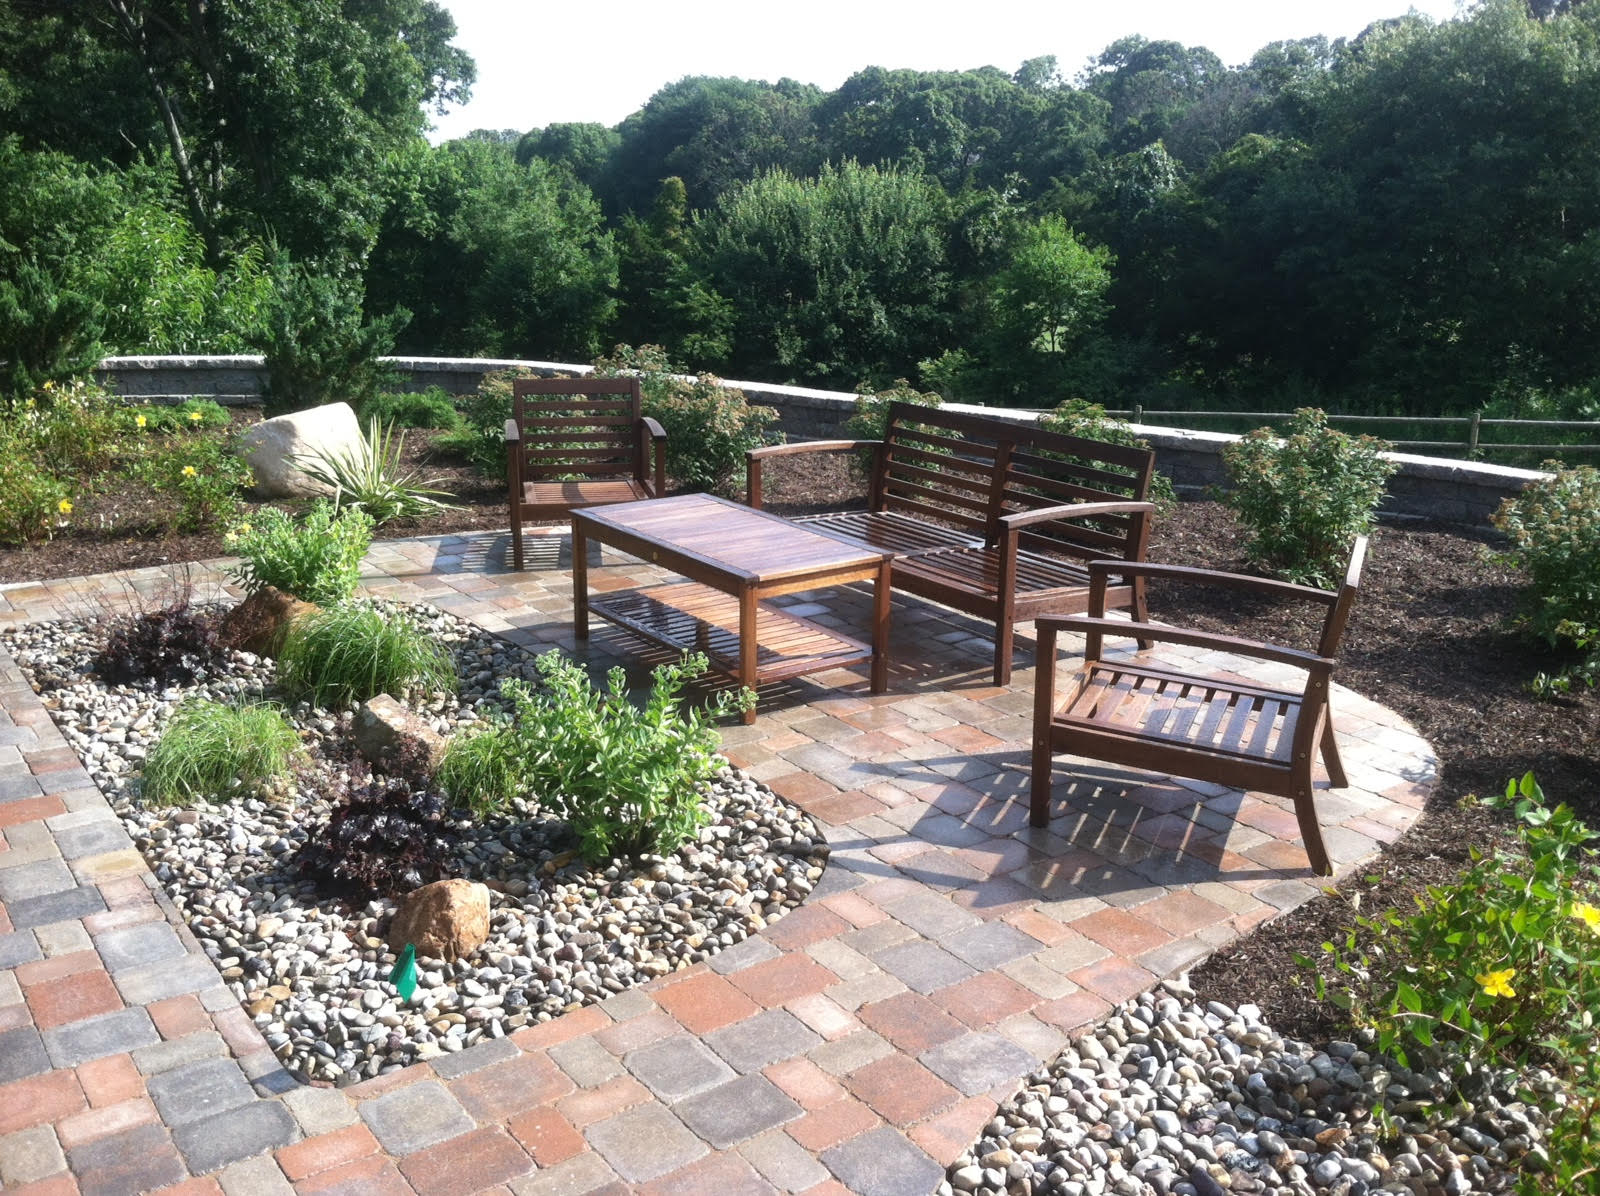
(383, 725)
(444, 920)
(257, 624)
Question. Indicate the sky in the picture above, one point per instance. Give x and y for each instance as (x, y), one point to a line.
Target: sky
(579, 60)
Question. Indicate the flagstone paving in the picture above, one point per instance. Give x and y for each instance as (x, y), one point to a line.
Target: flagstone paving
(857, 1045)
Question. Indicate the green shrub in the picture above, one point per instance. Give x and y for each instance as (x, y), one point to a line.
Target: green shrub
(1554, 527)
(871, 418)
(348, 653)
(709, 426)
(1501, 966)
(1089, 421)
(33, 501)
(320, 347)
(202, 475)
(191, 415)
(479, 439)
(316, 560)
(373, 478)
(211, 750)
(627, 779)
(1304, 498)
(72, 429)
(431, 408)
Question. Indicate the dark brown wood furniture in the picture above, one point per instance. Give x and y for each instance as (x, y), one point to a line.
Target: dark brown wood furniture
(994, 518)
(1145, 713)
(734, 558)
(578, 442)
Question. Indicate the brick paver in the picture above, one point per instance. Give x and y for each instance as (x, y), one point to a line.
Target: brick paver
(856, 1045)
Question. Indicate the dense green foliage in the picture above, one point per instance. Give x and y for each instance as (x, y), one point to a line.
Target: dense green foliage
(1405, 222)
(317, 559)
(349, 653)
(1554, 529)
(709, 426)
(212, 751)
(1305, 496)
(627, 779)
(1502, 966)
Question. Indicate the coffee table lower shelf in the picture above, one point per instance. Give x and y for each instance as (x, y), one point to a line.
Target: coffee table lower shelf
(696, 618)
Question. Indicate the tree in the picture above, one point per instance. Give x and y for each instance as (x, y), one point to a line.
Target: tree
(832, 279)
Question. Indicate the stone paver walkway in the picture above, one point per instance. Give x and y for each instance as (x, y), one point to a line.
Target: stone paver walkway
(858, 1044)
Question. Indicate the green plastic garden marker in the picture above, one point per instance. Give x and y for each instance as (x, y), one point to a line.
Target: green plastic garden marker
(404, 976)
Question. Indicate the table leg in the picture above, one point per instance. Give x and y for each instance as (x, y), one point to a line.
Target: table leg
(580, 582)
(880, 629)
(747, 646)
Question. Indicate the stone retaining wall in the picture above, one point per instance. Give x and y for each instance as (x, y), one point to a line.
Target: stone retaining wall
(1424, 487)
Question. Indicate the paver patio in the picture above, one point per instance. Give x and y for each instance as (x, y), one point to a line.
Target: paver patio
(858, 1044)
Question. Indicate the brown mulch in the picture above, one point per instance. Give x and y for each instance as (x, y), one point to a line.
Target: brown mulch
(1430, 638)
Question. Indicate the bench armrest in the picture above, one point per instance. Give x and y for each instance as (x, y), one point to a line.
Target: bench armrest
(754, 457)
(809, 446)
(1165, 633)
(1081, 510)
(513, 432)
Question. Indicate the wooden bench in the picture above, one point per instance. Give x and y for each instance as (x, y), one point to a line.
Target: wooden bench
(994, 518)
(578, 442)
(1147, 713)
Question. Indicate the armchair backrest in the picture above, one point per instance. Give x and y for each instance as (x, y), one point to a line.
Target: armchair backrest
(583, 428)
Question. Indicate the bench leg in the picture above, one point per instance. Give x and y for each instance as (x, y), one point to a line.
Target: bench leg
(516, 540)
(1002, 650)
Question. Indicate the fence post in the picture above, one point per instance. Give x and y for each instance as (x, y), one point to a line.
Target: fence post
(1472, 433)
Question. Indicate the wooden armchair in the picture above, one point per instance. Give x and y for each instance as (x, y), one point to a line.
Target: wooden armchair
(1146, 713)
(578, 442)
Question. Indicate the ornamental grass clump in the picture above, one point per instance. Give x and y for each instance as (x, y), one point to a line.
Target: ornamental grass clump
(372, 478)
(1497, 970)
(346, 654)
(317, 559)
(628, 780)
(1305, 497)
(214, 751)
(1554, 529)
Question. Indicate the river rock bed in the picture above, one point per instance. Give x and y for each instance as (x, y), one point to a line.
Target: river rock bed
(1172, 1097)
(313, 971)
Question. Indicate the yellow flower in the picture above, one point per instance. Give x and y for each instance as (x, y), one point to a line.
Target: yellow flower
(244, 529)
(195, 417)
(64, 506)
(140, 420)
(1497, 984)
(1588, 915)
(188, 471)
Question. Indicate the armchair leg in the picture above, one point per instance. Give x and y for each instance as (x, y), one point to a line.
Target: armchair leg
(1330, 753)
(1305, 812)
(1044, 708)
(516, 543)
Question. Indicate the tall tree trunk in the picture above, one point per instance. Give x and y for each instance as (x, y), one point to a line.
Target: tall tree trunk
(133, 30)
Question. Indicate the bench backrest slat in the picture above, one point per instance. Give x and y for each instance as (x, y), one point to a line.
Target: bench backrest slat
(969, 470)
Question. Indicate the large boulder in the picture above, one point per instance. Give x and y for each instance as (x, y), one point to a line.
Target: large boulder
(272, 448)
(444, 920)
(257, 624)
(383, 725)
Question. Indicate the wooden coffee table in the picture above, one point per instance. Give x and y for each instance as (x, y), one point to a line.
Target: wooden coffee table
(735, 558)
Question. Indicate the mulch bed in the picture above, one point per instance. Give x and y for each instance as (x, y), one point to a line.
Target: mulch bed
(1430, 638)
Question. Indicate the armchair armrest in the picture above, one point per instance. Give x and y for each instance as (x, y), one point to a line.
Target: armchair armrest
(1168, 634)
(1188, 573)
(653, 438)
(513, 432)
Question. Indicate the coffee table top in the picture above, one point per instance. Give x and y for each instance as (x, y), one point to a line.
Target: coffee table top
(733, 539)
